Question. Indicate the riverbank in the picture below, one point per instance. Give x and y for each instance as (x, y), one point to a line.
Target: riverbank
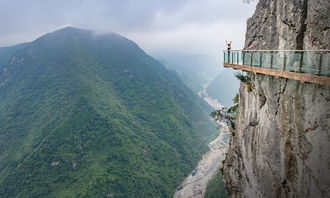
(194, 185)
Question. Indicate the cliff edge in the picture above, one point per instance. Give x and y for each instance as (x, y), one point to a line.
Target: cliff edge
(281, 147)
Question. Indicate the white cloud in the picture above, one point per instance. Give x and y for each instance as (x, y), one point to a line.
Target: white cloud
(198, 26)
(193, 38)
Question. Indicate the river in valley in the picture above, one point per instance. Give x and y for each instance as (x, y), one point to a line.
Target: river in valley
(194, 185)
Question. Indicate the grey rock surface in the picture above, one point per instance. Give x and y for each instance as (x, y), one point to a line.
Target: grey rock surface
(294, 24)
(281, 147)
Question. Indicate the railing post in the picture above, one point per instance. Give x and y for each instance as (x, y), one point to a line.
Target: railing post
(301, 61)
(284, 61)
(271, 60)
(260, 63)
(232, 58)
(228, 56)
(251, 61)
(224, 56)
(243, 56)
(237, 57)
(320, 64)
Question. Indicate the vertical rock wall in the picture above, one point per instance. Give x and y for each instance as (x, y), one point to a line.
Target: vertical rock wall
(281, 147)
(294, 24)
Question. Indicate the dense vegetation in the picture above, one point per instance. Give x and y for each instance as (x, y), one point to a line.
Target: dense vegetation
(228, 115)
(246, 80)
(216, 187)
(94, 116)
(7, 52)
(224, 87)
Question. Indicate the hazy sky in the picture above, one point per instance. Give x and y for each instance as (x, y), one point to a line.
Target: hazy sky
(194, 26)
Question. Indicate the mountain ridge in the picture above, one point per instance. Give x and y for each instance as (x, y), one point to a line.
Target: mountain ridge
(86, 114)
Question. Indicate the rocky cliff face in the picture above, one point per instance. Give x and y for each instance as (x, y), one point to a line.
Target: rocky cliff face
(294, 24)
(281, 147)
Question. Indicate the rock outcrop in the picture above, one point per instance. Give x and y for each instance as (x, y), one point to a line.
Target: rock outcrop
(281, 147)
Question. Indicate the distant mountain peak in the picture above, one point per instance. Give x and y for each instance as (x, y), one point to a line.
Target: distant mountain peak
(73, 29)
(79, 31)
(68, 32)
(88, 115)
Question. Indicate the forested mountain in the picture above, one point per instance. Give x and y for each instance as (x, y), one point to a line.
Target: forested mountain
(7, 52)
(85, 115)
(224, 87)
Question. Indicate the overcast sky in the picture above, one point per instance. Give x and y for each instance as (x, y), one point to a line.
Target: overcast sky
(187, 26)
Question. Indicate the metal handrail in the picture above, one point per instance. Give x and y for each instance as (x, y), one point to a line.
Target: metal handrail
(280, 50)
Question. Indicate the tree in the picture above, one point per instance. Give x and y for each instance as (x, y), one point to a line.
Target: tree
(227, 115)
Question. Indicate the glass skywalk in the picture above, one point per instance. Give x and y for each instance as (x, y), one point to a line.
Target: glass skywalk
(314, 62)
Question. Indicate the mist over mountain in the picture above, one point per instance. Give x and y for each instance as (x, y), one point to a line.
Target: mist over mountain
(7, 52)
(224, 87)
(85, 115)
(203, 75)
(196, 70)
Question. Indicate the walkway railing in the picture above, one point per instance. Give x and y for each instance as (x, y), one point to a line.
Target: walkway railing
(307, 62)
(316, 62)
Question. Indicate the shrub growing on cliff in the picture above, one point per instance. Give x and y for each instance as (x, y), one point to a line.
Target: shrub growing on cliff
(234, 109)
(244, 78)
(228, 115)
(223, 115)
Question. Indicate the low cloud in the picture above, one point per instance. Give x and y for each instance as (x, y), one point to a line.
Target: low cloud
(186, 25)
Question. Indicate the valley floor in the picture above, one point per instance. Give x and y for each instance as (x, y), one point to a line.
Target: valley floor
(212, 102)
(194, 185)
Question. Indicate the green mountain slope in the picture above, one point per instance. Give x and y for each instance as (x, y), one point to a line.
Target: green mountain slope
(84, 115)
(224, 87)
(7, 52)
